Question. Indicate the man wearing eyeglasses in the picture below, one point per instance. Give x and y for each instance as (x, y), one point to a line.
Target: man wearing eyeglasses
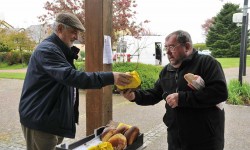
(193, 120)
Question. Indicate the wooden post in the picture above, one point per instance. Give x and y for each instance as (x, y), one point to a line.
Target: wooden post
(98, 22)
(107, 91)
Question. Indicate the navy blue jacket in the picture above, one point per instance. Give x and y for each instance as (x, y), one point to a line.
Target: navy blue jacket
(47, 99)
(196, 124)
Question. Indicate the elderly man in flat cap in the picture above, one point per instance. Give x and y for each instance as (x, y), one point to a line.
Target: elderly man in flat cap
(48, 106)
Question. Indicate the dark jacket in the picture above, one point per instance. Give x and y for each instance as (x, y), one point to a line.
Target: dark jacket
(47, 100)
(196, 123)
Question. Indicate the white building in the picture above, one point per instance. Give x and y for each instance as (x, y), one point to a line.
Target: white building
(146, 49)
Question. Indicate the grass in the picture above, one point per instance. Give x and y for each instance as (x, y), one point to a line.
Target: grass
(11, 75)
(5, 66)
(225, 62)
(238, 94)
(232, 62)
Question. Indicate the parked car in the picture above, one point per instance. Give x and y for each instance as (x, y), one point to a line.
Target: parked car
(205, 52)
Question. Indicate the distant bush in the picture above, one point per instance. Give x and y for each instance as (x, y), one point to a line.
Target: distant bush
(2, 56)
(80, 65)
(82, 54)
(13, 57)
(238, 94)
(200, 46)
(26, 57)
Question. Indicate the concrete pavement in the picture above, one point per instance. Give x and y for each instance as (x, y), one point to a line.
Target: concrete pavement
(147, 118)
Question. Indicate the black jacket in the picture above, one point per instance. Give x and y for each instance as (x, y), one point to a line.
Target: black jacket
(196, 123)
(47, 100)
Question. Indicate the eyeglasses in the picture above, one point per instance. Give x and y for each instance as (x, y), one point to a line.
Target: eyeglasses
(171, 48)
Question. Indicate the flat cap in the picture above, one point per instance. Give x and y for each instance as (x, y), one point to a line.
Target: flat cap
(70, 20)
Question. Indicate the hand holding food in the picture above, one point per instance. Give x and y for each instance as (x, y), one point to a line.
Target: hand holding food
(134, 84)
(122, 79)
(194, 81)
(128, 94)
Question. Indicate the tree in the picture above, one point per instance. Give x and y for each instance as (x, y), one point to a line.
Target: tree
(3, 46)
(123, 15)
(207, 25)
(19, 40)
(223, 36)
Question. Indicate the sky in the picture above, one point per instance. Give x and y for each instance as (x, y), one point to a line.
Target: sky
(165, 16)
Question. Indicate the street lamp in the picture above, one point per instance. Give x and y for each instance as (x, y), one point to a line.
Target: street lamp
(243, 44)
(237, 18)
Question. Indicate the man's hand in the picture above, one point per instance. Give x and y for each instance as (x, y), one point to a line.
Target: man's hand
(172, 100)
(122, 78)
(128, 94)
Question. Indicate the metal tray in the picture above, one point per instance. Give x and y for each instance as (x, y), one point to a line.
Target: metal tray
(137, 145)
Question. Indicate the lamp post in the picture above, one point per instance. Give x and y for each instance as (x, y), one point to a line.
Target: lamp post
(245, 48)
(243, 40)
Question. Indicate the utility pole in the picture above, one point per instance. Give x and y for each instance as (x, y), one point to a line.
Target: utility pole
(243, 40)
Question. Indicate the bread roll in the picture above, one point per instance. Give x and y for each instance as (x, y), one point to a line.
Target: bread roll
(131, 134)
(107, 133)
(189, 77)
(118, 141)
(123, 124)
(121, 129)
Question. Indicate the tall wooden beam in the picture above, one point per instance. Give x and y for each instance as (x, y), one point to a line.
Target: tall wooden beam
(98, 22)
(107, 91)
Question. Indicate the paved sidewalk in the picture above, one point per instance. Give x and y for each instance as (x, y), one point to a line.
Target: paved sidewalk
(148, 119)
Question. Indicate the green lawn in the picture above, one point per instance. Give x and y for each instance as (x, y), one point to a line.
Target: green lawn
(5, 66)
(11, 75)
(225, 62)
(232, 62)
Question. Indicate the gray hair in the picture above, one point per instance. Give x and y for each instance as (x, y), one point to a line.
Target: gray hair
(181, 36)
(56, 24)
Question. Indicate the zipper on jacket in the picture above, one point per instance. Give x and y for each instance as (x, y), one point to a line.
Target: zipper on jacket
(176, 90)
(176, 81)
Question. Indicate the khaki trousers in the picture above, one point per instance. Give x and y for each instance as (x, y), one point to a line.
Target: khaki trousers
(38, 140)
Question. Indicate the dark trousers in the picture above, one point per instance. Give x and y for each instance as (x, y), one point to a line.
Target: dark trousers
(38, 140)
(174, 143)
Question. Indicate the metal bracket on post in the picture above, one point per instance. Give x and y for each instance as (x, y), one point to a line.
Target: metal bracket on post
(245, 10)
